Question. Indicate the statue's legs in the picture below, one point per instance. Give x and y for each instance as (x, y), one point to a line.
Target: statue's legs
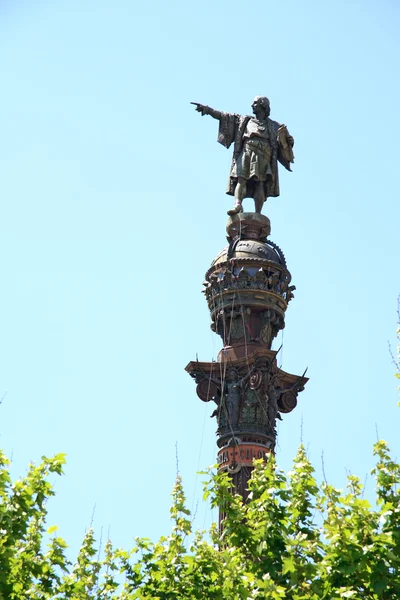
(259, 196)
(240, 193)
(233, 413)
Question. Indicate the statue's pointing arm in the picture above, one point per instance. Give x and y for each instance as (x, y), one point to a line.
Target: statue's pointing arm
(227, 123)
(207, 110)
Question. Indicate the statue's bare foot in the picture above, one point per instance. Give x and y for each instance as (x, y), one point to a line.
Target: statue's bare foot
(238, 208)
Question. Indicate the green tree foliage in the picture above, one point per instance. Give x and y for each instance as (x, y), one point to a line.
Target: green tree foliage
(293, 539)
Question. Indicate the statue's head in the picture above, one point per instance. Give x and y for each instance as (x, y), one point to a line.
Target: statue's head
(232, 375)
(261, 103)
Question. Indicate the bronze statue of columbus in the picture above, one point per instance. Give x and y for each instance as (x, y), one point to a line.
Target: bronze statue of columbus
(258, 144)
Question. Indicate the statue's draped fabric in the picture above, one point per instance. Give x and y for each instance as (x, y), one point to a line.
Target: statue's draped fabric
(256, 152)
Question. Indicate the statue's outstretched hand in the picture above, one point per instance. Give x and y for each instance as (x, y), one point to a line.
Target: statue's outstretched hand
(201, 108)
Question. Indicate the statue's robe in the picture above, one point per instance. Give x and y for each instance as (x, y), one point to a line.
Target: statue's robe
(232, 128)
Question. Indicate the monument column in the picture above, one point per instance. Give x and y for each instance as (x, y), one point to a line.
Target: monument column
(247, 288)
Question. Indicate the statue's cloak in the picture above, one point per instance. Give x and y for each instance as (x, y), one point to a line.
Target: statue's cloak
(231, 130)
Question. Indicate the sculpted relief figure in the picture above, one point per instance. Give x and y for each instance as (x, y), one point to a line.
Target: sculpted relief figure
(232, 395)
(258, 144)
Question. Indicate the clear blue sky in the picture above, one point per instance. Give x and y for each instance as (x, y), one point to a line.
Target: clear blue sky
(113, 206)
